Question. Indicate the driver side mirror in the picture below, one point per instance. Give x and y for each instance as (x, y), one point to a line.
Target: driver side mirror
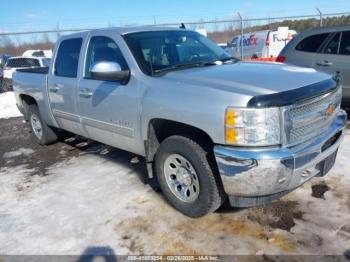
(109, 71)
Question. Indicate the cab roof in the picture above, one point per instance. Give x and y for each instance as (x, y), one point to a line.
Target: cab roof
(127, 30)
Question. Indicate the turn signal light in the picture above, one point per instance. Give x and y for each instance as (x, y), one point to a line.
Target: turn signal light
(230, 118)
(231, 136)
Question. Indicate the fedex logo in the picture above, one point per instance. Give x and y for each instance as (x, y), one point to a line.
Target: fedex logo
(276, 38)
(252, 40)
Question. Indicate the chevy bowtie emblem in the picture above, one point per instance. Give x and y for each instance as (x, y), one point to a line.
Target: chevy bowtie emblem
(330, 110)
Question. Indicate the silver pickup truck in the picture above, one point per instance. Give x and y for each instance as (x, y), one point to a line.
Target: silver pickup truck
(208, 125)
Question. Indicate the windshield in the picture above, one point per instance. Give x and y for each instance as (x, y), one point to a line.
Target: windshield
(169, 50)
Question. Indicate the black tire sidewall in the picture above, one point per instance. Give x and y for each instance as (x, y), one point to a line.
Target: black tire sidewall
(197, 156)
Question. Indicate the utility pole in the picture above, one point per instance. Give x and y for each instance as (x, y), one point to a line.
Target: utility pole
(58, 29)
(321, 16)
(241, 25)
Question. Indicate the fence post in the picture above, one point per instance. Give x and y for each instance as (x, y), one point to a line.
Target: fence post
(321, 16)
(241, 25)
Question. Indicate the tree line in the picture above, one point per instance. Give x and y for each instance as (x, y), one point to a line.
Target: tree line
(13, 46)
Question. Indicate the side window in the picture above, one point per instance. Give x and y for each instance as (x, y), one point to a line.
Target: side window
(345, 44)
(67, 58)
(100, 49)
(333, 45)
(311, 43)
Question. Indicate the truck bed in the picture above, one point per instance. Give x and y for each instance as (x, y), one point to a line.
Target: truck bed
(30, 81)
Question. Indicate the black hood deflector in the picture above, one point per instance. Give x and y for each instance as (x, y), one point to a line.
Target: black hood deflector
(296, 95)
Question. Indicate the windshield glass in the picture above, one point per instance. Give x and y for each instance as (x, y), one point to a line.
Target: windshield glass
(169, 50)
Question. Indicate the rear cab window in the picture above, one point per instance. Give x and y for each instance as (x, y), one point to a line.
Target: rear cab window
(22, 62)
(67, 58)
(312, 43)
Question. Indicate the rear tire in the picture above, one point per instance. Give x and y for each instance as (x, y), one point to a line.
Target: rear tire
(43, 134)
(187, 176)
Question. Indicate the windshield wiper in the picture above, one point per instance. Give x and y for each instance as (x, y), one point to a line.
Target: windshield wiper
(183, 66)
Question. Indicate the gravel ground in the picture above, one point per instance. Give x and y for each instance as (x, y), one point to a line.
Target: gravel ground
(80, 195)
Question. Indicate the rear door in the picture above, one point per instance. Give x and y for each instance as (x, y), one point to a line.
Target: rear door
(335, 58)
(306, 49)
(63, 82)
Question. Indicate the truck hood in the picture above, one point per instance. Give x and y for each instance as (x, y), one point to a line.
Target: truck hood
(249, 78)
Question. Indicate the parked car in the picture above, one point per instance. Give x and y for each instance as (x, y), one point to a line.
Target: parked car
(3, 60)
(261, 44)
(208, 125)
(20, 62)
(326, 49)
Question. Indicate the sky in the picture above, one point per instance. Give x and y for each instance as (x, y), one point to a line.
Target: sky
(24, 15)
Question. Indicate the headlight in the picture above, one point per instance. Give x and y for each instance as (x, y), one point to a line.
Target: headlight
(252, 126)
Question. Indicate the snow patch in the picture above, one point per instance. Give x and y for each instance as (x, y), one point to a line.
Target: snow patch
(11, 179)
(8, 106)
(19, 152)
(341, 166)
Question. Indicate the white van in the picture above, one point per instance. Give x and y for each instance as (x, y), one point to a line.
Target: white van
(38, 53)
(261, 44)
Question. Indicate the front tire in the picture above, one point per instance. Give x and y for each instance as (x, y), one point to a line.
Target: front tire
(43, 134)
(187, 176)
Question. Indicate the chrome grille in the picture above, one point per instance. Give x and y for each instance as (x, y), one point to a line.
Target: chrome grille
(311, 118)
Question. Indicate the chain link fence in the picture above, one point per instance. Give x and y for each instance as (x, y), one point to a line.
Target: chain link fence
(221, 31)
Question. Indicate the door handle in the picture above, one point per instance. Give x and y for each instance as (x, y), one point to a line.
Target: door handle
(325, 63)
(86, 93)
(55, 88)
(58, 85)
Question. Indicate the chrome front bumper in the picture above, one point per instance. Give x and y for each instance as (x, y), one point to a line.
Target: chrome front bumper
(256, 176)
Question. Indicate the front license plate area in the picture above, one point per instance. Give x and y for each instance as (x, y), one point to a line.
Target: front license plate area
(327, 164)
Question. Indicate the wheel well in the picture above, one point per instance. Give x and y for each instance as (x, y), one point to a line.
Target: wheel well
(28, 99)
(160, 129)
(26, 102)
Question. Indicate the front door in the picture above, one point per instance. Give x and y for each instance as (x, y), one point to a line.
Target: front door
(109, 110)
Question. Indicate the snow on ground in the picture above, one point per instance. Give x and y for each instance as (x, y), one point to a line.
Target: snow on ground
(19, 152)
(342, 165)
(8, 106)
(95, 200)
